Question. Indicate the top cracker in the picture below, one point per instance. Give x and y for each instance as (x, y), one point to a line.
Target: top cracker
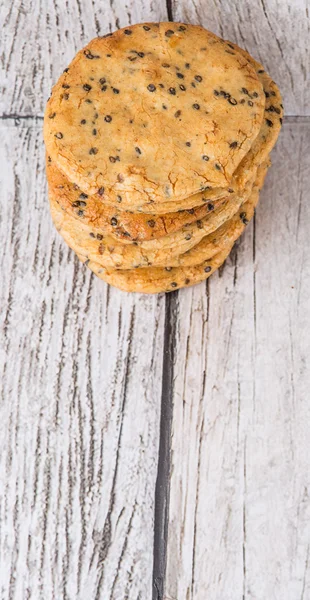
(154, 111)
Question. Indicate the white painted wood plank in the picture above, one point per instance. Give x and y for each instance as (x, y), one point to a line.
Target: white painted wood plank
(239, 511)
(80, 373)
(40, 37)
(275, 32)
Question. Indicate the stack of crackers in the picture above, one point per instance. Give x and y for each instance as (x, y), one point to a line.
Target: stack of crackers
(158, 139)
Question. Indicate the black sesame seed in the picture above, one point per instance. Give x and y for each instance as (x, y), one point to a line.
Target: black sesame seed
(174, 284)
(94, 131)
(137, 149)
(196, 106)
(89, 55)
(207, 269)
(269, 123)
(108, 118)
(188, 236)
(261, 71)
(182, 87)
(101, 248)
(190, 211)
(65, 86)
(169, 33)
(83, 121)
(217, 166)
(164, 107)
(88, 101)
(255, 95)
(80, 213)
(230, 191)
(199, 224)
(198, 77)
(112, 159)
(101, 191)
(168, 268)
(165, 65)
(245, 91)
(187, 65)
(225, 95)
(177, 113)
(210, 206)
(233, 101)
(172, 91)
(59, 135)
(146, 28)
(113, 222)
(205, 157)
(104, 87)
(151, 87)
(233, 145)
(87, 87)
(151, 223)
(180, 75)
(188, 144)
(83, 196)
(193, 84)
(52, 115)
(66, 70)
(99, 237)
(161, 85)
(65, 96)
(119, 198)
(267, 94)
(216, 93)
(281, 120)
(92, 235)
(102, 80)
(115, 90)
(187, 281)
(93, 151)
(242, 101)
(182, 28)
(128, 32)
(250, 103)
(96, 116)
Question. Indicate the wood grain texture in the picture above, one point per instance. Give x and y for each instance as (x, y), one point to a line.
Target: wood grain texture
(275, 32)
(40, 37)
(80, 376)
(239, 493)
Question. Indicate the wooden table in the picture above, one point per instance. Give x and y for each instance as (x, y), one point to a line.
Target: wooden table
(187, 415)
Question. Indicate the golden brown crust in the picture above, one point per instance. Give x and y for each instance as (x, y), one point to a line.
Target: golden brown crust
(122, 225)
(130, 144)
(162, 280)
(89, 241)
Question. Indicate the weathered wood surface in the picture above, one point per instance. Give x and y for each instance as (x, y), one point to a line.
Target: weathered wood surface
(80, 380)
(83, 368)
(275, 32)
(40, 37)
(239, 510)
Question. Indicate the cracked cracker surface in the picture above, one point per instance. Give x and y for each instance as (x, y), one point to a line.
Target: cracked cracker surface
(111, 85)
